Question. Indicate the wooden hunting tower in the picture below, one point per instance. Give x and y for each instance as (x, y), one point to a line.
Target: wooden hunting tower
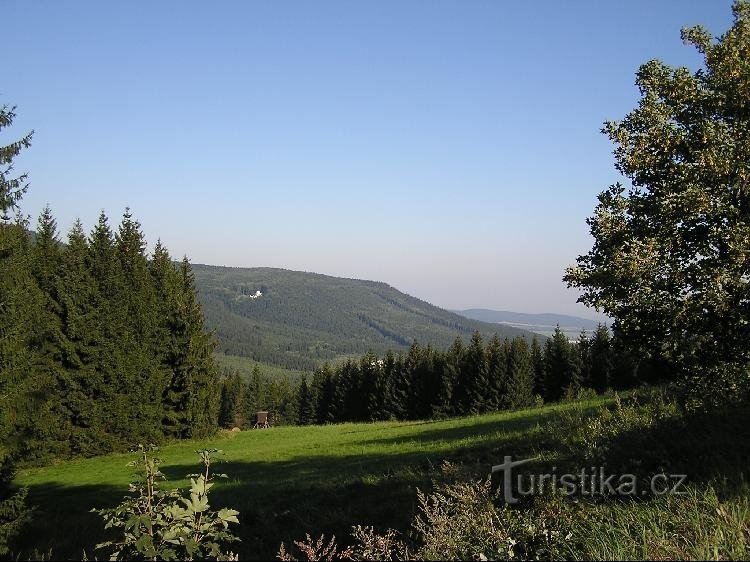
(261, 420)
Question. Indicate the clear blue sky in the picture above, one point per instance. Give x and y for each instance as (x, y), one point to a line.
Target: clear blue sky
(451, 149)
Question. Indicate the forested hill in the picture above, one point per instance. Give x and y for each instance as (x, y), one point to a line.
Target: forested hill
(297, 320)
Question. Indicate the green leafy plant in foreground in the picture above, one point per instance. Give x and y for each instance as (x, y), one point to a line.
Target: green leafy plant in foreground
(159, 524)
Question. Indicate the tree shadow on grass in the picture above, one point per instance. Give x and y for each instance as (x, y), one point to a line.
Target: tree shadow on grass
(62, 525)
(283, 500)
(710, 448)
(278, 501)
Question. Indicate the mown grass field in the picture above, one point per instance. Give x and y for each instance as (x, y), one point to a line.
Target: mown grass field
(289, 480)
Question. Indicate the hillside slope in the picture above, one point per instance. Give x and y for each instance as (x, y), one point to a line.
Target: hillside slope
(297, 320)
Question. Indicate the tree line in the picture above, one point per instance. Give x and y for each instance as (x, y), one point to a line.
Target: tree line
(427, 383)
(105, 346)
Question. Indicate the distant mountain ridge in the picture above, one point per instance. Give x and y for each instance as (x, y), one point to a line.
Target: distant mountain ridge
(297, 320)
(544, 319)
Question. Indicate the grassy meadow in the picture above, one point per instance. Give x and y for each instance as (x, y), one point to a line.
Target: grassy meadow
(288, 481)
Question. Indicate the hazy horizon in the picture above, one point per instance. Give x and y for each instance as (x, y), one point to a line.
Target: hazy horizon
(451, 150)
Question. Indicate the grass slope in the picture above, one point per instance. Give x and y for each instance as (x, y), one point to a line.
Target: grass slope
(302, 319)
(288, 480)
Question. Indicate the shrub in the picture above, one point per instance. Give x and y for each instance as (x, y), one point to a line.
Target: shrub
(14, 513)
(160, 524)
(462, 520)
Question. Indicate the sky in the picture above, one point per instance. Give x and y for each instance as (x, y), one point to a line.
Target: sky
(450, 149)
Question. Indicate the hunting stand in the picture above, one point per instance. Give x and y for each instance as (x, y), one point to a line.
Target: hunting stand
(261, 420)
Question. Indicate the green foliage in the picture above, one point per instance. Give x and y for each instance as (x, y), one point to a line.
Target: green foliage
(157, 524)
(670, 259)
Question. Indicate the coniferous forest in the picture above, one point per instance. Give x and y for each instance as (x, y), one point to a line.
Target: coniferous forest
(110, 349)
(469, 378)
(101, 344)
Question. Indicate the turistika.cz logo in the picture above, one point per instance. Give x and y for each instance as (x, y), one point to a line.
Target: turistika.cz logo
(588, 482)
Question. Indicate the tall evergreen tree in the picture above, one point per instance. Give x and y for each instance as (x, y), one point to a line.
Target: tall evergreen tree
(474, 373)
(256, 396)
(192, 399)
(561, 367)
(497, 373)
(601, 360)
(583, 349)
(380, 391)
(455, 360)
(82, 391)
(17, 305)
(305, 408)
(537, 364)
(52, 428)
(521, 375)
(139, 383)
(324, 386)
(445, 376)
(401, 388)
(232, 411)
(11, 188)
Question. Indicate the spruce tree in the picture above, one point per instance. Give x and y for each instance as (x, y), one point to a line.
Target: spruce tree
(497, 374)
(305, 408)
(455, 362)
(415, 374)
(232, 411)
(583, 349)
(140, 379)
(561, 367)
(445, 375)
(521, 375)
(324, 387)
(474, 372)
(537, 364)
(601, 360)
(401, 388)
(380, 392)
(391, 409)
(82, 392)
(16, 308)
(11, 188)
(256, 395)
(191, 400)
(53, 427)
